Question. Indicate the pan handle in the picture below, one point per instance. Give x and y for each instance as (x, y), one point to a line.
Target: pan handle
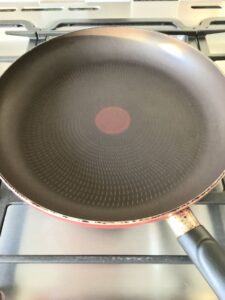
(202, 248)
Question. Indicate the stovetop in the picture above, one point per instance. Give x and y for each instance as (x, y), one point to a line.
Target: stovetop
(45, 258)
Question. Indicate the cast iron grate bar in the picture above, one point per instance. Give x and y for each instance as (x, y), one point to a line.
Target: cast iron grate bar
(118, 22)
(215, 57)
(95, 259)
(17, 23)
(53, 32)
(8, 59)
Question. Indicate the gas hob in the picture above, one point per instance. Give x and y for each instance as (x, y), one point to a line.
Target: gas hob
(45, 258)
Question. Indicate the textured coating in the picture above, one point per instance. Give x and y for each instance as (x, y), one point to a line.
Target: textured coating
(67, 152)
(55, 154)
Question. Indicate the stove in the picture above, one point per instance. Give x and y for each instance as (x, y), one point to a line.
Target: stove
(45, 258)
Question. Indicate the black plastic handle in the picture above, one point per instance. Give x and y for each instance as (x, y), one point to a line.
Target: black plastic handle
(207, 255)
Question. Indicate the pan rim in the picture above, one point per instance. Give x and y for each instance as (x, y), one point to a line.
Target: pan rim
(114, 224)
(122, 223)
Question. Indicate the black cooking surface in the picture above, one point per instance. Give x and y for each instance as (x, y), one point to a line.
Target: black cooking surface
(115, 164)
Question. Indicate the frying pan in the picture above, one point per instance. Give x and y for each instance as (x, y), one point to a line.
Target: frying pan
(116, 127)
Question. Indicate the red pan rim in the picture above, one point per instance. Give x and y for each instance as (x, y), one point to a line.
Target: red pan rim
(114, 224)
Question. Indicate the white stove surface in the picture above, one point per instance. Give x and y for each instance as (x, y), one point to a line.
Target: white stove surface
(181, 10)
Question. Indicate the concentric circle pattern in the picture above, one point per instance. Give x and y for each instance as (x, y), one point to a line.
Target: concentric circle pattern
(70, 155)
(110, 125)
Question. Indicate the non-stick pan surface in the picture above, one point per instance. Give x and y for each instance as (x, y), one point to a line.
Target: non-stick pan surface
(112, 124)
